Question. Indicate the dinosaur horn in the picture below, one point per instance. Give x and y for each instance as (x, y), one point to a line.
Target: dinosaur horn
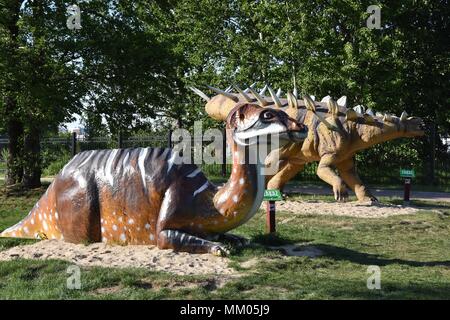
(251, 86)
(200, 93)
(342, 101)
(325, 99)
(279, 92)
(292, 102)
(370, 112)
(274, 97)
(387, 118)
(313, 97)
(309, 103)
(295, 93)
(246, 97)
(332, 106)
(258, 97)
(226, 94)
(263, 91)
(311, 106)
(351, 115)
(404, 116)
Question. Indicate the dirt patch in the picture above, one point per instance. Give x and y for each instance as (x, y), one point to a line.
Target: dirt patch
(99, 254)
(299, 250)
(350, 209)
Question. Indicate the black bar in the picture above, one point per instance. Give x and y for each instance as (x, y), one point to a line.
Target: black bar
(270, 217)
(73, 146)
(169, 140)
(120, 140)
(224, 152)
(407, 190)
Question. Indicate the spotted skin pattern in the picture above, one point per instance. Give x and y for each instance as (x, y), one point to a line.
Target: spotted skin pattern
(145, 196)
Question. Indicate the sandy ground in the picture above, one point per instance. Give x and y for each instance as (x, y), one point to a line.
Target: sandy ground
(350, 209)
(181, 263)
(99, 254)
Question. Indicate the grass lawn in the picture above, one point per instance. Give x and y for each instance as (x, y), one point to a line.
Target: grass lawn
(412, 252)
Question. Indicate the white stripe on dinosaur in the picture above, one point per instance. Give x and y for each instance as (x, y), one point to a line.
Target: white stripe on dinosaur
(108, 173)
(141, 161)
(171, 160)
(194, 173)
(87, 159)
(68, 164)
(203, 187)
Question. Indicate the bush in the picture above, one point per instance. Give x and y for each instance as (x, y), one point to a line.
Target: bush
(56, 166)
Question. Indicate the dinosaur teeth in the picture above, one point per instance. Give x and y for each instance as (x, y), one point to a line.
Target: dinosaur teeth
(200, 93)
(258, 97)
(226, 94)
(380, 115)
(342, 101)
(370, 112)
(246, 97)
(229, 89)
(313, 98)
(274, 97)
(387, 118)
(404, 116)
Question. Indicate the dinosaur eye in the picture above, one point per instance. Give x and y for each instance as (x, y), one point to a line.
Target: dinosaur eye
(268, 115)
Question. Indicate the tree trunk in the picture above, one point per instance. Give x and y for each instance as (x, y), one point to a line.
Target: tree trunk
(15, 148)
(32, 159)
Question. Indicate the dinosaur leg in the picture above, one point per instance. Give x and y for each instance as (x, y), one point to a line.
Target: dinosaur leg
(326, 172)
(288, 170)
(181, 241)
(348, 173)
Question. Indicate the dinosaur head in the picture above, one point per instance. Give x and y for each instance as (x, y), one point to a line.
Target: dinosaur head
(247, 122)
(388, 127)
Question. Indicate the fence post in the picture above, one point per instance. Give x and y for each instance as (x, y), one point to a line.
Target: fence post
(224, 152)
(432, 153)
(73, 146)
(120, 140)
(169, 139)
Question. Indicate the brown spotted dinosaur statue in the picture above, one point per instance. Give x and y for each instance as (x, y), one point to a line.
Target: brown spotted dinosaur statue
(146, 196)
(335, 135)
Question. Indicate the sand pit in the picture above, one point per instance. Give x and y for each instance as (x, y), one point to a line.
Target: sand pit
(350, 209)
(99, 254)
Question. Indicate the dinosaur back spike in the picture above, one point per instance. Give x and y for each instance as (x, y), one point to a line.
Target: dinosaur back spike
(200, 93)
(260, 99)
(246, 97)
(226, 94)
(275, 99)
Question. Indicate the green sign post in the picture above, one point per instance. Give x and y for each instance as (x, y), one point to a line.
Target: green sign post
(407, 174)
(271, 195)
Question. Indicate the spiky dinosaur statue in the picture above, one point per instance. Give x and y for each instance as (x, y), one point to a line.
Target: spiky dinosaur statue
(335, 135)
(146, 196)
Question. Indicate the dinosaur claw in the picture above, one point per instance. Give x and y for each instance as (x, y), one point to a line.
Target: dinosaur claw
(220, 251)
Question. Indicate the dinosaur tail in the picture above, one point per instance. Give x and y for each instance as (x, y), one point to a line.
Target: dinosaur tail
(40, 223)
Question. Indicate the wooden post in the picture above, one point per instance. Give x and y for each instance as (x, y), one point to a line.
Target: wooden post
(224, 152)
(270, 217)
(407, 191)
(74, 144)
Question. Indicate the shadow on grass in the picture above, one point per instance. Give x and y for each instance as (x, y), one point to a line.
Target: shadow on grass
(344, 254)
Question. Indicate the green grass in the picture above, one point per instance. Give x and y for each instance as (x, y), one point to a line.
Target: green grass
(412, 252)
